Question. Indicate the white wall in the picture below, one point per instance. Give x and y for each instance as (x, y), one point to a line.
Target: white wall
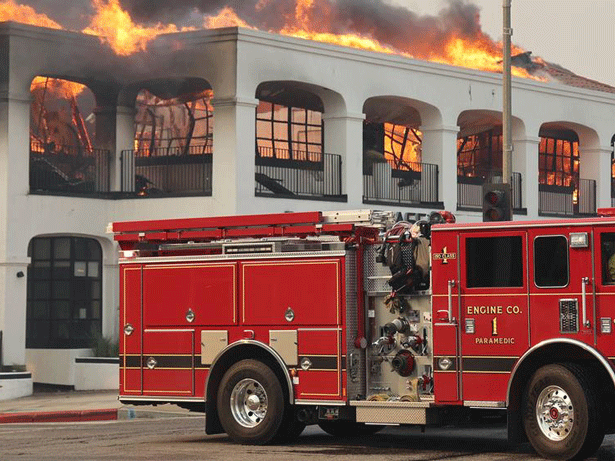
(235, 63)
(54, 366)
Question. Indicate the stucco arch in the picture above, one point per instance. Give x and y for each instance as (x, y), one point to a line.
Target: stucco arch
(588, 137)
(401, 110)
(301, 94)
(477, 120)
(164, 88)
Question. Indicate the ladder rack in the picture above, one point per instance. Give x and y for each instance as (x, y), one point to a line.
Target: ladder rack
(344, 224)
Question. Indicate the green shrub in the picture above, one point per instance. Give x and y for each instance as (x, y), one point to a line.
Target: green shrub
(103, 346)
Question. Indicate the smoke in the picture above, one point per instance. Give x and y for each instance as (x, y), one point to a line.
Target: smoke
(396, 26)
(422, 36)
(74, 14)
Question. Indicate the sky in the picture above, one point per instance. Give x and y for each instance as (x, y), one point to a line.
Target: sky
(576, 34)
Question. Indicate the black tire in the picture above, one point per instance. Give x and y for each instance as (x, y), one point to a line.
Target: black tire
(346, 429)
(250, 403)
(561, 413)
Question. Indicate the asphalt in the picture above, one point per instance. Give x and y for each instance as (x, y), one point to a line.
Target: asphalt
(67, 406)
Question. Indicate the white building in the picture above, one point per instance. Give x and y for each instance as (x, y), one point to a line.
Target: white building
(342, 104)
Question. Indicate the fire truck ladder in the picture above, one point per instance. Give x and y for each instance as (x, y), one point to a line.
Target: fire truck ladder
(345, 225)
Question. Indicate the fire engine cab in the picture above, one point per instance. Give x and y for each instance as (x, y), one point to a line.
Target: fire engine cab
(354, 320)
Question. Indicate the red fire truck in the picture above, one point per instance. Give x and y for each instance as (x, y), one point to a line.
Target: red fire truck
(354, 320)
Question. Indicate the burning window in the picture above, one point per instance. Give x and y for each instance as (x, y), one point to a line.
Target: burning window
(399, 145)
(480, 155)
(174, 126)
(57, 121)
(559, 160)
(289, 133)
(402, 147)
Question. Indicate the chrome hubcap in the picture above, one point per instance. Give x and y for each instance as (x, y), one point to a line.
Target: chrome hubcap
(555, 413)
(248, 402)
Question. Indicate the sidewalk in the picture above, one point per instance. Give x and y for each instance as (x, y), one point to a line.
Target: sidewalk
(67, 406)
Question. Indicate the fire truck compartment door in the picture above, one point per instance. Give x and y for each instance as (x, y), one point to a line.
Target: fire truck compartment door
(212, 343)
(445, 315)
(130, 335)
(168, 362)
(284, 342)
(189, 294)
(304, 292)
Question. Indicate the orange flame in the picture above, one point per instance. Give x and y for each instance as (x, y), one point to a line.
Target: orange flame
(481, 56)
(115, 26)
(11, 11)
(57, 87)
(226, 18)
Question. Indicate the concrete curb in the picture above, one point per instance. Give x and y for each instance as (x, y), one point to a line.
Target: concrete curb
(59, 416)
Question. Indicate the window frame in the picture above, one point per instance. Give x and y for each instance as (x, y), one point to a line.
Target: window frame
(466, 265)
(297, 150)
(534, 259)
(70, 301)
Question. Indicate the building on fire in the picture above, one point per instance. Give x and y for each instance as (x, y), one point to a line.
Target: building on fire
(237, 121)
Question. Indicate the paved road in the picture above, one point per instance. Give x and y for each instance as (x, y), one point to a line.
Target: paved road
(183, 438)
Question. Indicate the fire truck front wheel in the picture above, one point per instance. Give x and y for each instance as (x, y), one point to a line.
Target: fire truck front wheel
(561, 413)
(250, 402)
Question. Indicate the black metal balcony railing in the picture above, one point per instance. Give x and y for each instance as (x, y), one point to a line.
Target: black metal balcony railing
(470, 190)
(560, 200)
(263, 153)
(68, 170)
(320, 179)
(417, 186)
(167, 171)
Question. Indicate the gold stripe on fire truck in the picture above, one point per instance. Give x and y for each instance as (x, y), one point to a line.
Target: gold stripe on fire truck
(295, 262)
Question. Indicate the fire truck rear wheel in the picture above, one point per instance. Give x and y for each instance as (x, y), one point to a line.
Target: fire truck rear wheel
(561, 413)
(342, 428)
(250, 402)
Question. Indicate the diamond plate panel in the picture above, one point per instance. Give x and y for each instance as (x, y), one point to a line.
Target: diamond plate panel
(392, 415)
(355, 375)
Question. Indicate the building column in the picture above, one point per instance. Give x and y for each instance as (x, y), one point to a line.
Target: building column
(124, 140)
(344, 136)
(234, 144)
(105, 137)
(14, 238)
(596, 165)
(439, 147)
(525, 161)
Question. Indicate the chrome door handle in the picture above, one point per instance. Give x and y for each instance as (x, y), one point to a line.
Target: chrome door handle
(451, 284)
(584, 283)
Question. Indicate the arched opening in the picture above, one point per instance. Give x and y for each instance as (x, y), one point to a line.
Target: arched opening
(479, 157)
(64, 300)
(63, 155)
(562, 192)
(290, 144)
(173, 145)
(393, 167)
